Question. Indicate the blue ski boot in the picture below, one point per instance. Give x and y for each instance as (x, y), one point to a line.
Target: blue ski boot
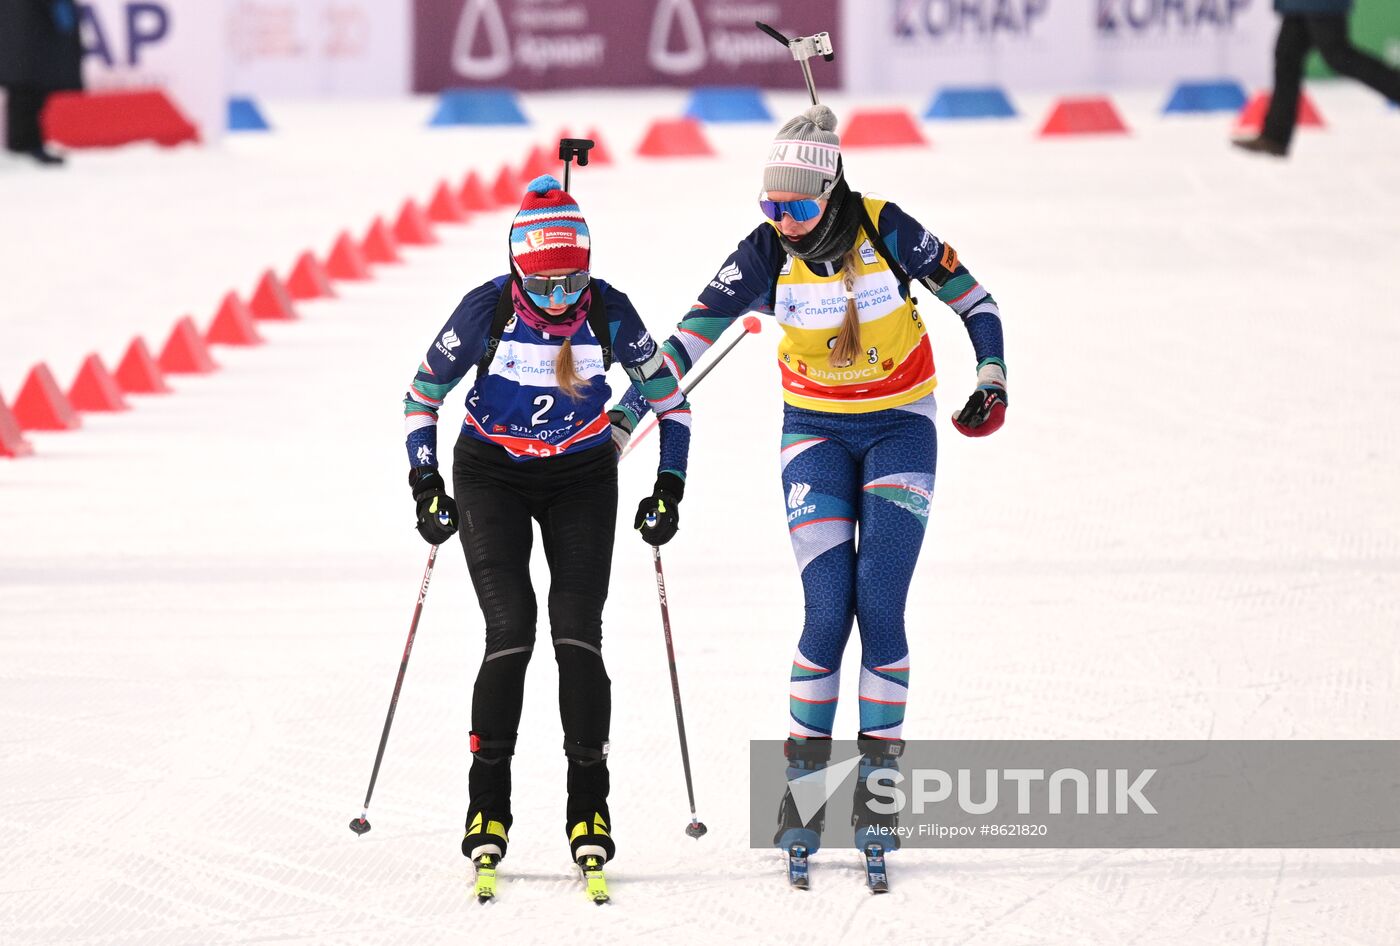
(797, 838)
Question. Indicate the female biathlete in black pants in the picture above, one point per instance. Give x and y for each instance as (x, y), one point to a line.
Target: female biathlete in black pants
(537, 445)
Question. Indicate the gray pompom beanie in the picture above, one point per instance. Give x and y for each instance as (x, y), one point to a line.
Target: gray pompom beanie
(805, 154)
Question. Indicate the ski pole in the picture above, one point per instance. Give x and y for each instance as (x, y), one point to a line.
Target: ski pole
(696, 828)
(752, 326)
(361, 824)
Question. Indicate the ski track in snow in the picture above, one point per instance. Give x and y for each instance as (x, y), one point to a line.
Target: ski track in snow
(1187, 530)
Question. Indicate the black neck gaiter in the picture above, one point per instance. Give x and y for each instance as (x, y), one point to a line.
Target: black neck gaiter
(834, 236)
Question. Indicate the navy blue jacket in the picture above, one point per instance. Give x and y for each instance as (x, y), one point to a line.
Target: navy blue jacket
(1338, 7)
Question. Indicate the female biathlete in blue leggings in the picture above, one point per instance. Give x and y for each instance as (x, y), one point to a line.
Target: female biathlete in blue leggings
(859, 445)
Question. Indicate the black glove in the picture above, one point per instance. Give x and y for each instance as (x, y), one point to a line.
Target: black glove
(985, 411)
(437, 512)
(658, 516)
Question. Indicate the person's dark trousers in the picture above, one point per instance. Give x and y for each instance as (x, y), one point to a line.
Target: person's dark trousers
(1328, 34)
(24, 104)
(574, 500)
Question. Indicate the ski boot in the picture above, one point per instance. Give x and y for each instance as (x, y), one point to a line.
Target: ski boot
(797, 838)
(587, 820)
(876, 833)
(588, 833)
(591, 847)
(485, 844)
(488, 816)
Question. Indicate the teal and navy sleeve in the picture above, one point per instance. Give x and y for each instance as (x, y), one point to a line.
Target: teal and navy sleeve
(455, 350)
(653, 383)
(927, 258)
(744, 283)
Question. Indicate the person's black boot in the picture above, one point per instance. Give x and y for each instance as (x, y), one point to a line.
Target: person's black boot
(488, 815)
(878, 757)
(587, 820)
(1261, 145)
(804, 757)
(43, 156)
(486, 834)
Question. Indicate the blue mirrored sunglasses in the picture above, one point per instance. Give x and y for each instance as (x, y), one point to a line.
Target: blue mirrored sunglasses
(546, 291)
(799, 210)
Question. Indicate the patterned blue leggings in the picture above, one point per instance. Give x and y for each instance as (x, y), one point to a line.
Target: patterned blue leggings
(842, 470)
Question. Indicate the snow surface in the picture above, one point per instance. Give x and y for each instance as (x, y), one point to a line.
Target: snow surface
(1188, 529)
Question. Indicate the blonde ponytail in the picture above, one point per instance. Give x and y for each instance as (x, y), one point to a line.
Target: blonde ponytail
(847, 346)
(565, 377)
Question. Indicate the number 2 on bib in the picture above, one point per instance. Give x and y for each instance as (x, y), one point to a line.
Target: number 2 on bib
(544, 402)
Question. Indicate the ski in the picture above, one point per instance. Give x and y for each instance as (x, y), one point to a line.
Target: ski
(485, 888)
(797, 866)
(591, 866)
(875, 876)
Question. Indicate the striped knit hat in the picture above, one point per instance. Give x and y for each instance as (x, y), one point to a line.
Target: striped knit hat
(805, 155)
(548, 232)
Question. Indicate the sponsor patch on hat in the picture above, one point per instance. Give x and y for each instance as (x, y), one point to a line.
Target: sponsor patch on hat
(552, 236)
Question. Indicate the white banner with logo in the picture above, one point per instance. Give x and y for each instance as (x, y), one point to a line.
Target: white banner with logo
(1160, 42)
(320, 47)
(176, 45)
(913, 46)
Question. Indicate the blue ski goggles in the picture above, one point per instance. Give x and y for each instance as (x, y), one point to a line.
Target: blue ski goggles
(547, 291)
(799, 210)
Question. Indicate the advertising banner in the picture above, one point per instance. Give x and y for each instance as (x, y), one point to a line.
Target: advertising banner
(319, 47)
(175, 45)
(1160, 42)
(915, 46)
(563, 44)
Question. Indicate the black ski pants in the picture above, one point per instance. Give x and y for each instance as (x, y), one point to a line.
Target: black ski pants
(574, 500)
(1328, 34)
